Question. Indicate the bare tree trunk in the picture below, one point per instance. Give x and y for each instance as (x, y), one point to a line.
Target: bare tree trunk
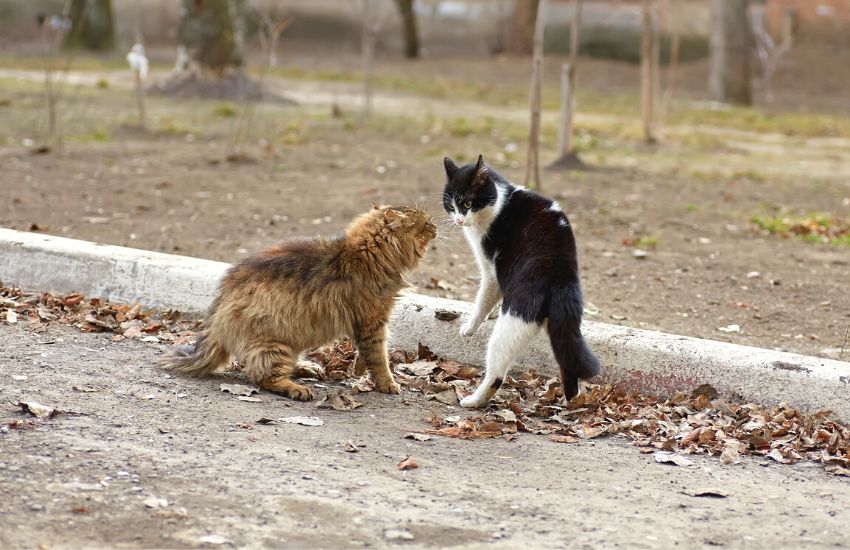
(567, 102)
(92, 25)
(51, 33)
(569, 79)
(532, 169)
(730, 48)
(411, 33)
(140, 98)
(649, 69)
(270, 35)
(521, 37)
(769, 53)
(212, 33)
(367, 54)
(672, 67)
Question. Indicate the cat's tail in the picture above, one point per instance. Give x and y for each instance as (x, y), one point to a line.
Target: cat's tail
(574, 357)
(198, 360)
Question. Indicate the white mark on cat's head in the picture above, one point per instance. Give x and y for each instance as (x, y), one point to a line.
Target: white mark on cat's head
(459, 217)
(562, 222)
(555, 207)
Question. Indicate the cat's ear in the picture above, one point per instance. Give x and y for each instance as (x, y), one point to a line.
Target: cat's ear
(451, 167)
(482, 173)
(375, 206)
(394, 218)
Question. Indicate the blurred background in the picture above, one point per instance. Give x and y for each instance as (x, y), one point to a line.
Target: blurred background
(703, 159)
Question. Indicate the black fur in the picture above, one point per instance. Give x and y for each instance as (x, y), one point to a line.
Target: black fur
(534, 252)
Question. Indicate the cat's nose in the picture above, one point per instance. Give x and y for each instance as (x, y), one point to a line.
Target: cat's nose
(458, 220)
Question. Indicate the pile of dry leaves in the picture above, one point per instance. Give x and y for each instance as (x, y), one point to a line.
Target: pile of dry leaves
(697, 423)
(38, 309)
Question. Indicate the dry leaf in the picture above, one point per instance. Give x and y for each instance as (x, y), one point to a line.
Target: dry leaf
(37, 409)
(302, 420)
(458, 369)
(672, 458)
(340, 401)
(707, 493)
(249, 399)
(420, 368)
(238, 389)
(408, 463)
(729, 456)
(558, 438)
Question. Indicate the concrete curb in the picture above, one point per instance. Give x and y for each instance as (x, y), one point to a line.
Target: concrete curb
(646, 360)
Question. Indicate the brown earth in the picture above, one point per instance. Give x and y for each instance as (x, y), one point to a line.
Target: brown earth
(300, 171)
(158, 461)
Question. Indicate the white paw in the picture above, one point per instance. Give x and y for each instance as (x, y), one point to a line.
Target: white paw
(472, 402)
(468, 328)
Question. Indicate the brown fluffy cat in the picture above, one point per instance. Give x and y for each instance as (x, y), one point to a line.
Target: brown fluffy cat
(305, 293)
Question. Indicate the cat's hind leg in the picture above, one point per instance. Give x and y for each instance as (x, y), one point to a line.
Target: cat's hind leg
(271, 365)
(511, 336)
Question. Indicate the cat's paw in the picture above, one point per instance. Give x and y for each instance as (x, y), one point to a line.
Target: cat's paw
(473, 402)
(300, 393)
(387, 385)
(469, 328)
(285, 386)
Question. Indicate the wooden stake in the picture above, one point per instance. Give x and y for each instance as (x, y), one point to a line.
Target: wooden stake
(648, 59)
(565, 134)
(532, 169)
(367, 51)
(672, 67)
(567, 156)
(140, 98)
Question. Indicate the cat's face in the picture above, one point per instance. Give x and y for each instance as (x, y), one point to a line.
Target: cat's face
(411, 224)
(398, 231)
(469, 190)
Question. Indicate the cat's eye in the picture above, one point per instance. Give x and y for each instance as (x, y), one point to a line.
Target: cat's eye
(467, 204)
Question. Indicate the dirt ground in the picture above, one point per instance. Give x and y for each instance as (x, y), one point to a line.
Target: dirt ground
(304, 171)
(159, 461)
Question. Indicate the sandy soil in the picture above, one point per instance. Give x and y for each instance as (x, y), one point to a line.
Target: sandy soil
(93, 480)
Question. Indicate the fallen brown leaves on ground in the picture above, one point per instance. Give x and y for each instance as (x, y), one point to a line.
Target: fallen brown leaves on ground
(694, 423)
(38, 309)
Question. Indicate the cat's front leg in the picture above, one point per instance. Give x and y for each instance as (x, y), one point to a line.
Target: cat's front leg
(485, 300)
(372, 356)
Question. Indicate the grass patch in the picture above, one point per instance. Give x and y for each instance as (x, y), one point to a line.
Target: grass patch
(645, 241)
(225, 111)
(814, 227)
(743, 118)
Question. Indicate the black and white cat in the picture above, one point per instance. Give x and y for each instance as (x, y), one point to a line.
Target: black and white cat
(526, 252)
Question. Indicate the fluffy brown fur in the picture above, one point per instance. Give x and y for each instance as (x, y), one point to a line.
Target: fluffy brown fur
(305, 293)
